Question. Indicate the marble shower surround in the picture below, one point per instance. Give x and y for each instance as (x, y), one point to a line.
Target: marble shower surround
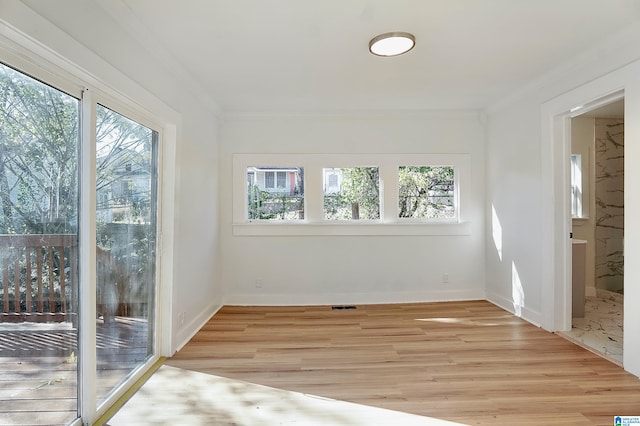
(609, 194)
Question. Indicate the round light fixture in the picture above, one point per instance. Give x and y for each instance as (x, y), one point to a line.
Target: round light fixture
(392, 44)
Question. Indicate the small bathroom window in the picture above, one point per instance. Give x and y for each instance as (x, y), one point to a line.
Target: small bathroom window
(576, 185)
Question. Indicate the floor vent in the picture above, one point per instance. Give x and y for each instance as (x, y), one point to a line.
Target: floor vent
(341, 307)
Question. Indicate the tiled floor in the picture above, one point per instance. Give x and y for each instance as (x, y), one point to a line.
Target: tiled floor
(601, 327)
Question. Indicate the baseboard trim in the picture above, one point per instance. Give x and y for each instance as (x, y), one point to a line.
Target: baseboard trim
(351, 298)
(188, 330)
(534, 317)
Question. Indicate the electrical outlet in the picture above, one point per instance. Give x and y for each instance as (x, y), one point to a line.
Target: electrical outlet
(259, 283)
(445, 278)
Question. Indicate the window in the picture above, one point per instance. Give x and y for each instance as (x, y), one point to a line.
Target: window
(358, 196)
(576, 185)
(426, 192)
(281, 195)
(332, 181)
(282, 180)
(361, 194)
(269, 181)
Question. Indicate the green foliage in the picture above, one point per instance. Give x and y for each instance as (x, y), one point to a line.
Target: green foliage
(38, 156)
(264, 205)
(426, 192)
(275, 203)
(39, 164)
(125, 166)
(257, 199)
(359, 196)
(39, 139)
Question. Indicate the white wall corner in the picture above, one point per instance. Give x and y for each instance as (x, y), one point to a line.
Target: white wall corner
(186, 331)
(530, 315)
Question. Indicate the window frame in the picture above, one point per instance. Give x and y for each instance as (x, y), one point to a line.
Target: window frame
(456, 196)
(269, 180)
(339, 186)
(252, 171)
(576, 170)
(36, 61)
(389, 222)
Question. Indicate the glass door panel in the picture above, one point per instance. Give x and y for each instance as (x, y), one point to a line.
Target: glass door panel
(126, 199)
(39, 128)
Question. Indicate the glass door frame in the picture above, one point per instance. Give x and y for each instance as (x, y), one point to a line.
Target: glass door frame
(35, 60)
(92, 409)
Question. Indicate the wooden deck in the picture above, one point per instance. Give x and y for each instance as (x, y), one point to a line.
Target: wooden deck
(38, 375)
(465, 362)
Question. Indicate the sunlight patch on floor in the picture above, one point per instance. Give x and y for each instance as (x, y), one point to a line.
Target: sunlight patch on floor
(463, 321)
(176, 396)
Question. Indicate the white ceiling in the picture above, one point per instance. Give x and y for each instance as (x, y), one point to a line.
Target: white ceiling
(303, 55)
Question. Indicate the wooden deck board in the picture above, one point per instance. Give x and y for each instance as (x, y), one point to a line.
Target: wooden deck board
(38, 383)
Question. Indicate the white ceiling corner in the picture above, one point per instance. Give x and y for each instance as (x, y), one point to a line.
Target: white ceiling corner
(304, 56)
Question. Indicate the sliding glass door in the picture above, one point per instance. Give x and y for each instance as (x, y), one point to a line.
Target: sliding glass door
(56, 339)
(126, 246)
(39, 127)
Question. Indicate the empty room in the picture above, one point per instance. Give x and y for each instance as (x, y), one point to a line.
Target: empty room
(359, 212)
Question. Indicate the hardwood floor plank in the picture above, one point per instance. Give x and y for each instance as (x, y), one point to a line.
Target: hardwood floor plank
(466, 362)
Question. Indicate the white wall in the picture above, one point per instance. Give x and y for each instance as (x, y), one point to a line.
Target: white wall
(514, 193)
(523, 179)
(139, 72)
(332, 269)
(196, 286)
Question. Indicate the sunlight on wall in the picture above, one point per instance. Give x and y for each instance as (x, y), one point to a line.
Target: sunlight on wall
(517, 292)
(497, 231)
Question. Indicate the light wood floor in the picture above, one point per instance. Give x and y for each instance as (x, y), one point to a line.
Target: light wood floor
(466, 362)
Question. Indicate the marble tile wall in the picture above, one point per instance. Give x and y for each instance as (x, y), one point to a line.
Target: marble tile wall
(609, 194)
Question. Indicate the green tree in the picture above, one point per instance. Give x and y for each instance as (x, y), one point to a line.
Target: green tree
(39, 139)
(359, 196)
(123, 155)
(281, 204)
(38, 156)
(425, 191)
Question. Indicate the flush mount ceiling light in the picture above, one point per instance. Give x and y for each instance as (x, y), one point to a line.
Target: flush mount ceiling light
(392, 44)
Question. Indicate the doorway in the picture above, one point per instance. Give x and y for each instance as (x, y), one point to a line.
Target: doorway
(597, 208)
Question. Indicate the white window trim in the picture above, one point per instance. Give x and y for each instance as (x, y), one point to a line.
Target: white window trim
(314, 222)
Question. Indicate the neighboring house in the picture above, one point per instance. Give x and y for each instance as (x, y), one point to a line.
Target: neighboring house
(332, 180)
(273, 179)
(125, 188)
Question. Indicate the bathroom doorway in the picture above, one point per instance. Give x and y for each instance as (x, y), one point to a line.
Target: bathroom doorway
(597, 204)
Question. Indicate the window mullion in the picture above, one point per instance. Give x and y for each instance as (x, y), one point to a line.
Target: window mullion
(87, 260)
(313, 194)
(389, 193)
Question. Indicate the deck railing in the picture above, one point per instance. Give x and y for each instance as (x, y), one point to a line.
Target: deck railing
(38, 276)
